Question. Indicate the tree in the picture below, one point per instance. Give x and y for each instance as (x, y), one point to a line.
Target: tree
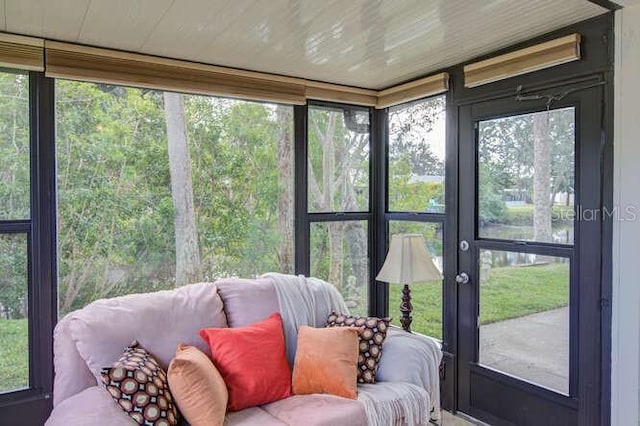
(409, 129)
(188, 268)
(14, 191)
(541, 178)
(338, 171)
(562, 134)
(284, 118)
(416, 172)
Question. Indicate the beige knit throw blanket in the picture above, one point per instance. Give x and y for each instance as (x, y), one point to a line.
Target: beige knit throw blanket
(309, 301)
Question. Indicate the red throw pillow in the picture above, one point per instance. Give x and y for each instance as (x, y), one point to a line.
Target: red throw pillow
(252, 361)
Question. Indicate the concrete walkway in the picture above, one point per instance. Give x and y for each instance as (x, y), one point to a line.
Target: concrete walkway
(534, 347)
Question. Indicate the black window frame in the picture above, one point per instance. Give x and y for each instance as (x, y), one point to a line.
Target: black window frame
(443, 218)
(304, 218)
(33, 404)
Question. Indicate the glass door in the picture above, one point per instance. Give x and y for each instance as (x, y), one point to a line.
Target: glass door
(529, 230)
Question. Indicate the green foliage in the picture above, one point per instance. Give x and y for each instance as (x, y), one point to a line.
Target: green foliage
(14, 146)
(409, 195)
(13, 281)
(14, 354)
(522, 215)
(338, 163)
(14, 191)
(115, 222)
(116, 233)
(506, 155)
(491, 205)
(416, 173)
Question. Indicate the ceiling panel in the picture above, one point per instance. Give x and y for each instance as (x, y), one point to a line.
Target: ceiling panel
(59, 19)
(366, 43)
(3, 21)
(186, 31)
(136, 21)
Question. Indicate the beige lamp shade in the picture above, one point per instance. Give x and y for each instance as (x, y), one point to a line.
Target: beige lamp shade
(408, 261)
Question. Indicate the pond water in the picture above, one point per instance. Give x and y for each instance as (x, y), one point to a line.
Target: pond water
(562, 234)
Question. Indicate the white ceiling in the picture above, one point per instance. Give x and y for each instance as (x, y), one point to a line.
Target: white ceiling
(627, 3)
(366, 43)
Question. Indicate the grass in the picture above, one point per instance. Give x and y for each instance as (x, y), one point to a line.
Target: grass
(511, 292)
(14, 354)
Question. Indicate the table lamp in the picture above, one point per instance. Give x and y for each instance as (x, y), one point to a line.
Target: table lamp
(408, 263)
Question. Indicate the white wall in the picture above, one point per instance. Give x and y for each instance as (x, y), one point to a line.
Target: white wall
(625, 390)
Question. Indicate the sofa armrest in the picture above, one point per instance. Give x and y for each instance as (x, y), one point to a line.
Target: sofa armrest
(412, 358)
(92, 406)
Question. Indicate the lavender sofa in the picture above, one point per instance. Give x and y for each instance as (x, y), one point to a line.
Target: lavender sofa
(94, 337)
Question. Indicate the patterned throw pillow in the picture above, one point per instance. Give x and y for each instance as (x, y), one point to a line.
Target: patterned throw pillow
(372, 333)
(139, 386)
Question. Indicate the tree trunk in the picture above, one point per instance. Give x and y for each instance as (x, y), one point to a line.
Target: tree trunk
(328, 164)
(188, 269)
(336, 253)
(356, 237)
(541, 178)
(284, 117)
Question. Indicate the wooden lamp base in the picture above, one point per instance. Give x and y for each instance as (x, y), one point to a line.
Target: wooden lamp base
(406, 308)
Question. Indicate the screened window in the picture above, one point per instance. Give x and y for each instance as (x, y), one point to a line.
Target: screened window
(338, 173)
(416, 156)
(15, 231)
(416, 203)
(161, 189)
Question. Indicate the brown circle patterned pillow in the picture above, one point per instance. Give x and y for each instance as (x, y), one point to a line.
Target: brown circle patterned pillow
(139, 386)
(372, 333)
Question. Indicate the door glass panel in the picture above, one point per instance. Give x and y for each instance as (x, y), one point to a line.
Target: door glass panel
(426, 298)
(338, 159)
(526, 177)
(416, 156)
(14, 146)
(339, 256)
(14, 330)
(524, 316)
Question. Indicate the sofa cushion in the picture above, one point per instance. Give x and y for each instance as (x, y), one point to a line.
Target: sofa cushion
(92, 406)
(197, 387)
(71, 372)
(252, 416)
(158, 321)
(372, 332)
(139, 386)
(252, 361)
(247, 301)
(318, 410)
(326, 361)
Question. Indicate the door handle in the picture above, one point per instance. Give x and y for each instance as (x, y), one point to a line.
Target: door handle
(462, 278)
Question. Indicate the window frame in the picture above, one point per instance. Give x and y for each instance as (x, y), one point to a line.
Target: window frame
(444, 219)
(304, 218)
(32, 405)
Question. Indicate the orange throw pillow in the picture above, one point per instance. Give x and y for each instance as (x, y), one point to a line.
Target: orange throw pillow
(197, 387)
(252, 361)
(326, 361)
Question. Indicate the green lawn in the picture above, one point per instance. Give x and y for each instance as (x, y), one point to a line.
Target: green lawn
(14, 354)
(511, 292)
